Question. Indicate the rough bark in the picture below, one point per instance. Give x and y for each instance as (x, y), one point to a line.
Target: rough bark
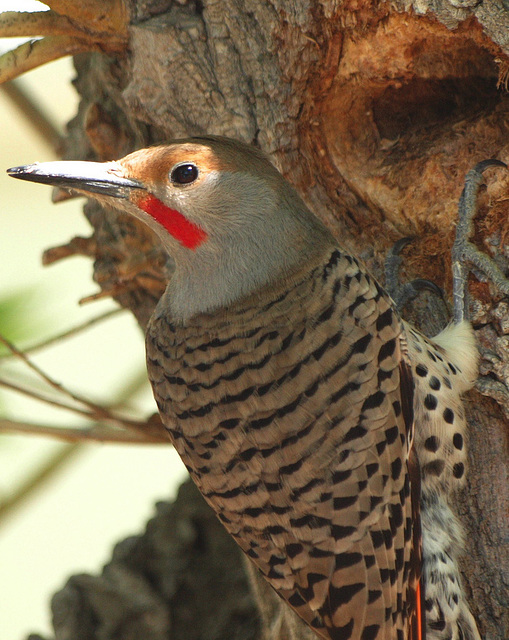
(375, 112)
(181, 579)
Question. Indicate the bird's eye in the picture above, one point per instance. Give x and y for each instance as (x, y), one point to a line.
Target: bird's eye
(184, 173)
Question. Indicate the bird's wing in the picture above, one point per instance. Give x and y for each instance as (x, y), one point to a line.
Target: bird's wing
(345, 559)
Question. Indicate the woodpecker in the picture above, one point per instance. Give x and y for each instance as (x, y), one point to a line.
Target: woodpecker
(324, 431)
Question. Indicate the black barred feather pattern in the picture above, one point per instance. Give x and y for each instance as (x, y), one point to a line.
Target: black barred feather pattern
(290, 418)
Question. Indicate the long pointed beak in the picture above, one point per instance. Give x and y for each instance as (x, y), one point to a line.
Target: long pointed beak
(89, 177)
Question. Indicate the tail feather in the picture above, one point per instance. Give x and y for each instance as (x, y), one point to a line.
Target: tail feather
(447, 613)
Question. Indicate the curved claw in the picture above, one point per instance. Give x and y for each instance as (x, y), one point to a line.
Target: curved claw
(480, 167)
(404, 293)
(421, 284)
(399, 245)
(410, 290)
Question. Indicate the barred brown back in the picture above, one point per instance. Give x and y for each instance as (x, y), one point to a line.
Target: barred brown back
(292, 412)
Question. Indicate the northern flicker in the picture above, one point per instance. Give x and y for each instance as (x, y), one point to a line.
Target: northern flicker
(290, 387)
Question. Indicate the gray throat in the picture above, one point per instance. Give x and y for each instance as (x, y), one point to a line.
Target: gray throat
(218, 278)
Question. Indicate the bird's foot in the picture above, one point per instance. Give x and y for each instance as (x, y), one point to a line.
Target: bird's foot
(492, 320)
(465, 255)
(403, 293)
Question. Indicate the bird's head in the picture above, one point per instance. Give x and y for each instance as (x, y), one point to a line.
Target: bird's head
(223, 212)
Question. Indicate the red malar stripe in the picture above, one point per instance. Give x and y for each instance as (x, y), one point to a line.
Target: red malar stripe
(182, 229)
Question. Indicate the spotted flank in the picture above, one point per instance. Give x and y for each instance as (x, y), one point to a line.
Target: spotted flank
(443, 368)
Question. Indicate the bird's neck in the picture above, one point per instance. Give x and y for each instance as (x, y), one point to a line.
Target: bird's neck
(219, 276)
(226, 284)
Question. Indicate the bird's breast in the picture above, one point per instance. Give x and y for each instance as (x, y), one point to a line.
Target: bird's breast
(261, 399)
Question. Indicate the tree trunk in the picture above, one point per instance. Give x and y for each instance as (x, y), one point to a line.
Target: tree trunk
(374, 111)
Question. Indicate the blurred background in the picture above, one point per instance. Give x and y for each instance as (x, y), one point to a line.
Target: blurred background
(61, 508)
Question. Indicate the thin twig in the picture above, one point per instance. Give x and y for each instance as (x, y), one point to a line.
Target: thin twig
(48, 469)
(128, 391)
(43, 398)
(97, 411)
(35, 53)
(105, 415)
(33, 113)
(36, 23)
(94, 433)
(91, 410)
(70, 333)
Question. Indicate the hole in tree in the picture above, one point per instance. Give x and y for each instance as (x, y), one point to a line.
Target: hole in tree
(428, 103)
